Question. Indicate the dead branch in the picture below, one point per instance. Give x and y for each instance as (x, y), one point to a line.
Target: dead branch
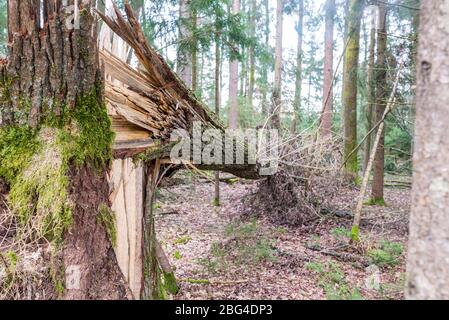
(358, 210)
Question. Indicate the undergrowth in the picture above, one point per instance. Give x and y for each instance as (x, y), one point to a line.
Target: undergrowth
(332, 279)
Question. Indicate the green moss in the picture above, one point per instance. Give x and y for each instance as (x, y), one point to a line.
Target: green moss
(197, 281)
(86, 132)
(57, 273)
(216, 202)
(157, 151)
(355, 234)
(107, 218)
(170, 283)
(376, 202)
(358, 181)
(35, 162)
(17, 146)
(39, 195)
(12, 259)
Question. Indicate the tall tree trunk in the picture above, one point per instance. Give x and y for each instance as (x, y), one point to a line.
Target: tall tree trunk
(428, 254)
(346, 34)
(217, 108)
(326, 124)
(298, 71)
(194, 54)
(55, 94)
(252, 55)
(184, 56)
(377, 194)
(234, 80)
(276, 99)
(350, 86)
(265, 104)
(371, 91)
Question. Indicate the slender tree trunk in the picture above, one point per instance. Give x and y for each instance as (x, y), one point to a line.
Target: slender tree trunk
(252, 56)
(276, 99)
(217, 108)
(195, 54)
(326, 124)
(55, 91)
(346, 34)
(371, 91)
(298, 73)
(350, 86)
(184, 57)
(234, 80)
(265, 104)
(428, 253)
(377, 194)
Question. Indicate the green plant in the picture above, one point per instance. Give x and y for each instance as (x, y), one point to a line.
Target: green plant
(242, 231)
(314, 242)
(387, 254)
(341, 233)
(182, 240)
(282, 230)
(177, 255)
(376, 202)
(261, 250)
(332, 280)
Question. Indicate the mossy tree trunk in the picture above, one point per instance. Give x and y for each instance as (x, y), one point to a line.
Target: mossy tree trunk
(52, 89)
(350, 85)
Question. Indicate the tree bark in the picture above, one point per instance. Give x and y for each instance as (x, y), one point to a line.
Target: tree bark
(276, 104)
(52, 75)
(184, 57)
(371, 92)
(234, 80)
(350, 86)
(217, 107)
(377, 193)
(428, 254)
(326, 124)
(346, 35)
(252, 55)
(298, 74)
(265, 104)
(152, 288)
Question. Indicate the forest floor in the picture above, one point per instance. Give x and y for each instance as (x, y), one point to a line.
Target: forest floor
(219, 253)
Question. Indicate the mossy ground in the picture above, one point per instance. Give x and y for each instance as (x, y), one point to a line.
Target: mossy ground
(376, 202)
